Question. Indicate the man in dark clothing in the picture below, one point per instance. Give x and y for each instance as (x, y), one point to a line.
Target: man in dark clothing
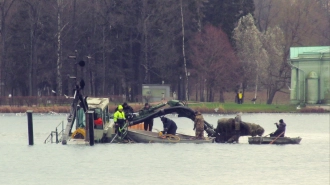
(126, 108)
(280, 129)
(149, 122)
(169, 126)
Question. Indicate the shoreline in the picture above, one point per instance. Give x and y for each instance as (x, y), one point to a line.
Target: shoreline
(203, 110)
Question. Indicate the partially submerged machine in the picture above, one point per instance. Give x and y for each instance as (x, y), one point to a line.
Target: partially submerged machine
(226, 132)
(105, 133)
(83, 109)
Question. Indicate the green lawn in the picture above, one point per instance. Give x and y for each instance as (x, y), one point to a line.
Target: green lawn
(245, 107)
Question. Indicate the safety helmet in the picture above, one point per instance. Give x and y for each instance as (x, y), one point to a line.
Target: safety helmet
(120, 107)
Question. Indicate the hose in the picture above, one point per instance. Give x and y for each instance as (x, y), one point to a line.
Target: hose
(172, 138)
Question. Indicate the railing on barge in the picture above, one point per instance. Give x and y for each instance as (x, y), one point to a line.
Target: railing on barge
(56, 133)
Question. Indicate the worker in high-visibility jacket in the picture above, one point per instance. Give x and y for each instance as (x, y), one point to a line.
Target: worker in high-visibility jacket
(240, 97)
(119, 118)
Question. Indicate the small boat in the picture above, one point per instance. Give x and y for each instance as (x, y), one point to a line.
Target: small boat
(273, 140)
(142, 136)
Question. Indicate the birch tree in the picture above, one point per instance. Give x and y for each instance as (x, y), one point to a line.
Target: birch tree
(59, 48)
(183, 52)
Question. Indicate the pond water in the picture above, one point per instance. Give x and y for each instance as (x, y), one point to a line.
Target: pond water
(52, 164)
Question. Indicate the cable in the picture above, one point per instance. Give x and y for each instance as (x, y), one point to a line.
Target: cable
(172, 138)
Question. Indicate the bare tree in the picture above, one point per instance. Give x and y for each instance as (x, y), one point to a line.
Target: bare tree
(214, 60)
(5, 6)
(34, 8)
(263, 14)
(146, 16)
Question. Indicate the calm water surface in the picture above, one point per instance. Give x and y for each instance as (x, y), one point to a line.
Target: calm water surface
(53, 164)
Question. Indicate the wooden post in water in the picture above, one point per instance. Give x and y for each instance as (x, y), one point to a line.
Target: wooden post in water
(86, 126)
(91, 127)
(56, 135)
(30, 126)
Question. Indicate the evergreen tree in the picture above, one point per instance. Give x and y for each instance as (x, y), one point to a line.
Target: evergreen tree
(226, 13)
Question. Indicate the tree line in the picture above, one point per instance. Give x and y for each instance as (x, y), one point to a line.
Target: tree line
(201, 48)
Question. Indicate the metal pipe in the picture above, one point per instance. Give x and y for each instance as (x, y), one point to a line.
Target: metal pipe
(114, 138)
(298, 78)
(319, 80)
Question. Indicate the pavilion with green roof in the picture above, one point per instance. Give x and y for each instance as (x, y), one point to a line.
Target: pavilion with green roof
(310, 75)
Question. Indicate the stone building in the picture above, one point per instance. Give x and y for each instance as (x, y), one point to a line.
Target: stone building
(310, 75)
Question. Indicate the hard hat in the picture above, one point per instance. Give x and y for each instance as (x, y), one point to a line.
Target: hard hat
(120, 107)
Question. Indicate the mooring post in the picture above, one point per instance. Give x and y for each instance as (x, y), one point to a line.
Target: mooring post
(86, 126)
(91, 127)
(56, 135)
(30, 126)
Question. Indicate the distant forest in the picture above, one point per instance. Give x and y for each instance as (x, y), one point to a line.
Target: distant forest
(201, 48)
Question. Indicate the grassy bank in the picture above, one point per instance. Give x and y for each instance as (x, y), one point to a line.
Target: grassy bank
(212, 107)
(252, 108)
(247, 108)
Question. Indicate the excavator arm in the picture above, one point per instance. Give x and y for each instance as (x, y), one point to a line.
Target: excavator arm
(176, 107)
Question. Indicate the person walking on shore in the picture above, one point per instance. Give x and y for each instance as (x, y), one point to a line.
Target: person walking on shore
(240, 97)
